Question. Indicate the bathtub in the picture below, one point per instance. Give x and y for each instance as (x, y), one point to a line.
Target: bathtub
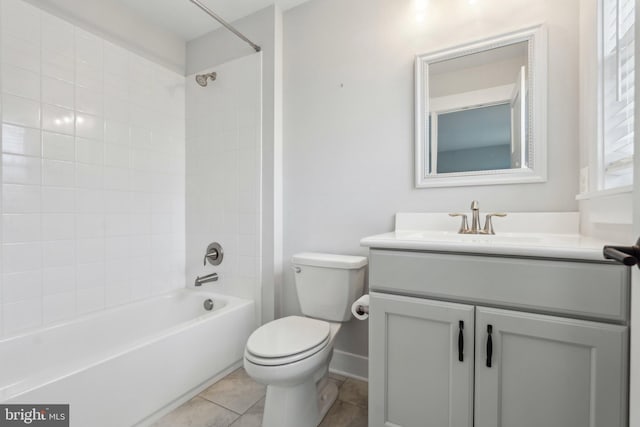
(117, 367)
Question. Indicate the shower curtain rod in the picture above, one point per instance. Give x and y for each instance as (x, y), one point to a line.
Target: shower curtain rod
(228, 26)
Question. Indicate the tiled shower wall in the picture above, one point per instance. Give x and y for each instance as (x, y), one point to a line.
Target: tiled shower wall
(224, 176)
(93, 172)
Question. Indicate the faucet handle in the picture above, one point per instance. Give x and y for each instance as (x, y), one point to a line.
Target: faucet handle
(488, 224)
(464, 225)
(474, 205)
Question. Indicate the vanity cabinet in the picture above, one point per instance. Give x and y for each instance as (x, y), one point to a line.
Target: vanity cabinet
(482, 345)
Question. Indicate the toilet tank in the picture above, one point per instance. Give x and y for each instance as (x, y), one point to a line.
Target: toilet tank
(328, 284)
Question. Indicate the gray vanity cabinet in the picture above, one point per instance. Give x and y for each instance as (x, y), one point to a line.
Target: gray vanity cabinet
(548, 371)
(548, 366)
(415, 375)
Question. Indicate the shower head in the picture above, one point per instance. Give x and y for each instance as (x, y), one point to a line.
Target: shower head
(202, 78)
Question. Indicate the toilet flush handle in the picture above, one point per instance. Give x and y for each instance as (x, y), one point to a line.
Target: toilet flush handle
(296, 268)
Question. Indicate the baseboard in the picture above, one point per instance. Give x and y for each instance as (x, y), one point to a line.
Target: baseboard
(350, 365)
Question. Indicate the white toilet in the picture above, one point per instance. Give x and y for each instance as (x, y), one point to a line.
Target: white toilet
(291, 355)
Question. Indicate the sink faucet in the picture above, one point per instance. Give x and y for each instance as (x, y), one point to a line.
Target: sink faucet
(213, 277)
(475, 221)
(475, 218)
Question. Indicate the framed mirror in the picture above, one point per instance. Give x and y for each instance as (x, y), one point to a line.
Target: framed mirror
(481, 112)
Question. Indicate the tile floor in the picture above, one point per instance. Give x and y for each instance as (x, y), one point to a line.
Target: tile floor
(238, 401)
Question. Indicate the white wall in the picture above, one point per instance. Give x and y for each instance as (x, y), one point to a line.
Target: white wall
(348, 120)
(116, 23)
(92, 172)
(223, 176)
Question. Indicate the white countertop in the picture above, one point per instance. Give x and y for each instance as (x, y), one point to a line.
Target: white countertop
(550, 235)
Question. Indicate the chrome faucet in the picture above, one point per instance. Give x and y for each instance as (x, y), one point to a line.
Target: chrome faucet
(475, 221)
(213, 277)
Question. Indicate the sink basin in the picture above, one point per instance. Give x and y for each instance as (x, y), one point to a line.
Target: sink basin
(549, 235)
(449, 236)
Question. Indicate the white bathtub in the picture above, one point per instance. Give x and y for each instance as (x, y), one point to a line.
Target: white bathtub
(119, 366)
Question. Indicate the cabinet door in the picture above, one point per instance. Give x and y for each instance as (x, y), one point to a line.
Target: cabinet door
(549, 371)
(416, 377)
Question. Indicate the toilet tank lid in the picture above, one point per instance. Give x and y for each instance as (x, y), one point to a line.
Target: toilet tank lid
(316, 259)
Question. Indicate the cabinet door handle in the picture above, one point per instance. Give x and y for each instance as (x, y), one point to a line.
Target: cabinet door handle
(461, 341)
(489, 345)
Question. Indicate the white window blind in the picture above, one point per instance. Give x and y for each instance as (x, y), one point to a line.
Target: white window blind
(617, 92)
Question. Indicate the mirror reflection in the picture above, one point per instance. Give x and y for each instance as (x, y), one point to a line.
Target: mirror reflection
(477, 111)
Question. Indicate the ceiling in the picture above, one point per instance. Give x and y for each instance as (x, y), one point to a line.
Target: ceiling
(188, 22)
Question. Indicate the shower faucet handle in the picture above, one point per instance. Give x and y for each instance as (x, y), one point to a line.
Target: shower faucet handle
(214, 254)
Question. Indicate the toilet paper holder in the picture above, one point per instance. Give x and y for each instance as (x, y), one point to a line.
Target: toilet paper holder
(362, 309)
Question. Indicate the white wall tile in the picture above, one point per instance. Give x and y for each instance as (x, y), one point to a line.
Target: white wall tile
(116, 179)
(18, 257)
(20, 111)
(116, 132)
(89, 101)
(59, 253)
(20, 53)
(89, 151)
(89, 176)
(18, 228)
(89, 126)
(57, 92)
(88, 49)
(58, 200)
(89, 201)
(90, 225)
(22, 315)
(57, 35)
(21, 20)
(88, 77)
(93, 164)
(21, 140)
(117, 156)
(90, 276)
(57, 146)
(57, 119)
(20, 170)
(58, 307)
(91, 250)
(116, 59)
(91, 299)
(21, 198)
(57, 173)
(59, 279)
(20, 82)
(58, 66)
(21, 286)
(58, 226)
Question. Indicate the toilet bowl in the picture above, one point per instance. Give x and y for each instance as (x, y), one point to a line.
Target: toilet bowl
(296, 394)
(291, 355)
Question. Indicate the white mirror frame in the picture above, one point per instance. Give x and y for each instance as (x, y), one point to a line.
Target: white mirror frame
(537, 124)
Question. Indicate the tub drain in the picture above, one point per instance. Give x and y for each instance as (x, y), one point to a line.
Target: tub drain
(208, 304)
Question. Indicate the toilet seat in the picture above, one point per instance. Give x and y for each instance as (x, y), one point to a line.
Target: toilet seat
(287, 340)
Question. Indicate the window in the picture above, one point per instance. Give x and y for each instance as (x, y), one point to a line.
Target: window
(616, 93)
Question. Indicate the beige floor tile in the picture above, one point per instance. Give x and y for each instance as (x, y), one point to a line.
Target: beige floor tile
(343, 414)
(237, 392)
(251, 418)
(355, 392)
(198, 412)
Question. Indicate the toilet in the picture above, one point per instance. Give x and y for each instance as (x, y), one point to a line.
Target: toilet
(291, 355)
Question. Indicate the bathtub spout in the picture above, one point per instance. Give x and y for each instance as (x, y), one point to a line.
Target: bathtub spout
(213, 277)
